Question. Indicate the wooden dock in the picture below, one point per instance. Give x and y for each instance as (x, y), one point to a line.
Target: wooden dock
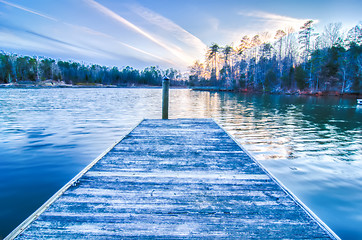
(174, 179)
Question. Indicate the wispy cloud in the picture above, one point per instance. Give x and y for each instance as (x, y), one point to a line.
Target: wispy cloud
(14, 41)
(271, 16)
(27, 10)
(52, 39)
(176, 52)
(169, 26)
(120, 19)
(276, 20)
(72, 46)
(266, 22)
(32, 40)
(108, 37)
(146, 53)
(157, 41)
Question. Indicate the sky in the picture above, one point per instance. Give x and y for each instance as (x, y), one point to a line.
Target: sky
(164, 33)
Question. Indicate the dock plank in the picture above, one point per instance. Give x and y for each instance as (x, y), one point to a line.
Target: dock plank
(175, 179)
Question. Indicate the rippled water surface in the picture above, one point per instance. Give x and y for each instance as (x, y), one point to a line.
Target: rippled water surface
(312, 145)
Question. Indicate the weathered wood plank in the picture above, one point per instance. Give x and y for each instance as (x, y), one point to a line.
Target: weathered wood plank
(176, 179)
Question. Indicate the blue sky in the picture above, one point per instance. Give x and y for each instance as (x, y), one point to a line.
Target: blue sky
(152, 32)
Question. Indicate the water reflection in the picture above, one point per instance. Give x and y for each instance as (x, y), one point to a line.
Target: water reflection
(313, 145)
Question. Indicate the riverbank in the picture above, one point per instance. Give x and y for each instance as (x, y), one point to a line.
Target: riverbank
(298, 92)
(62, 84)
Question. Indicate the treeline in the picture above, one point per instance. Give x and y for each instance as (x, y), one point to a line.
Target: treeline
(289, 61)
(25, 69)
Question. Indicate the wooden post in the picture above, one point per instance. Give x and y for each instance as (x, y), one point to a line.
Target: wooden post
(165, 90)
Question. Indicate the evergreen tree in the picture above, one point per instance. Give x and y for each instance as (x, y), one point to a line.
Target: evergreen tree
(305, 35)
(5, 69)
(300, 77)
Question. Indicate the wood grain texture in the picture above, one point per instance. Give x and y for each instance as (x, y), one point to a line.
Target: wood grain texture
(175, 179)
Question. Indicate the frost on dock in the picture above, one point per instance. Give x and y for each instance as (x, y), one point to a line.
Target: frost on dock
(167, 179)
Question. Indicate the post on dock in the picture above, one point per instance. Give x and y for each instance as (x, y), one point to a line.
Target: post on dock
(165, 90)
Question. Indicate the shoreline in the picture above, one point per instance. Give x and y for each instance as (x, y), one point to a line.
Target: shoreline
(289, 93)
(40, 86)
(206, 89)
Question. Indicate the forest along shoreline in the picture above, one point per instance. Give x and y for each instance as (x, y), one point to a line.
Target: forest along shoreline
(287, 62)
(293, 63)
(62, 84)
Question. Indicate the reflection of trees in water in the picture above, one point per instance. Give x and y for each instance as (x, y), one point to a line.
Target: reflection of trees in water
(288, 127)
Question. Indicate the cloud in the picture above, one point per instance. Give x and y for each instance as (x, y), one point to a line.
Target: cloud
(146, 53)
(14, 41)
(214, 23)
(52, 39)
(271, 16)
(120, 19)
(28, 10)
(170, 27)
(276, 20)
(107, 37)
(176, 52)
(23, 38)
(71, 38)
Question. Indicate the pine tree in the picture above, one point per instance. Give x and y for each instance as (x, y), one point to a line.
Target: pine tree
(305, 39)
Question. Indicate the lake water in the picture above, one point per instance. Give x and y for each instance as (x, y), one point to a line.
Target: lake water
(312, 145)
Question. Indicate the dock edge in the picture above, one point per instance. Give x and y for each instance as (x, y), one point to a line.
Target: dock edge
(24, 225)
(322, 224)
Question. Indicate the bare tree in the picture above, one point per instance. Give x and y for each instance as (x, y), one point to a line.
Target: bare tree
(290, 45)
(245, 44)
(280, 34)
(264, 37)
(332, 35)
(354, 35)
